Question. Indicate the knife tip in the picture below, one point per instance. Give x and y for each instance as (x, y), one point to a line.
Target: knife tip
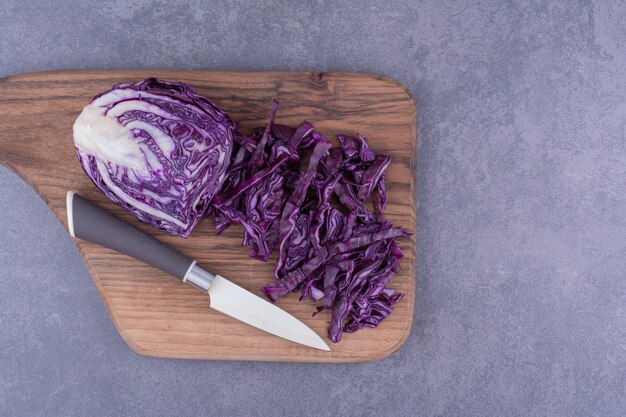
(321, 345)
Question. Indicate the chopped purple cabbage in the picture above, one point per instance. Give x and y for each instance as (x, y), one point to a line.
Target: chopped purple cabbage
(338, 253)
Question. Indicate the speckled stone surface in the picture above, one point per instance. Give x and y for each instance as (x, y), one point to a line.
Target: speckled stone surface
(521, 294)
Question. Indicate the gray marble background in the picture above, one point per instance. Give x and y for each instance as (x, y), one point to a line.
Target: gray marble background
(521, 244)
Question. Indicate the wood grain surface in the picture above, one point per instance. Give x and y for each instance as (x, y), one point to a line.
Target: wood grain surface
(157, 315)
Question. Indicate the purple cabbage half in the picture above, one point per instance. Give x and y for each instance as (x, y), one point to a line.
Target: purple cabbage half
(291, 190)
(157, 149)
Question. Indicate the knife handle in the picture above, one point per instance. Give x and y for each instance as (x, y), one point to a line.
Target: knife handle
(89, 222)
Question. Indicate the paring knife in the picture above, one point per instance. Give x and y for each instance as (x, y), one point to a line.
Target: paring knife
(89, 222)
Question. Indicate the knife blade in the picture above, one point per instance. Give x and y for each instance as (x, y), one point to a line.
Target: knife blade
(232, 300)
(89, 222)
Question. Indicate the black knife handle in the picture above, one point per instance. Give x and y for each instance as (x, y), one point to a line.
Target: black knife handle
(89, 222)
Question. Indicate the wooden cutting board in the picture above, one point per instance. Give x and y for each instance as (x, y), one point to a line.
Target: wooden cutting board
(157, 315)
